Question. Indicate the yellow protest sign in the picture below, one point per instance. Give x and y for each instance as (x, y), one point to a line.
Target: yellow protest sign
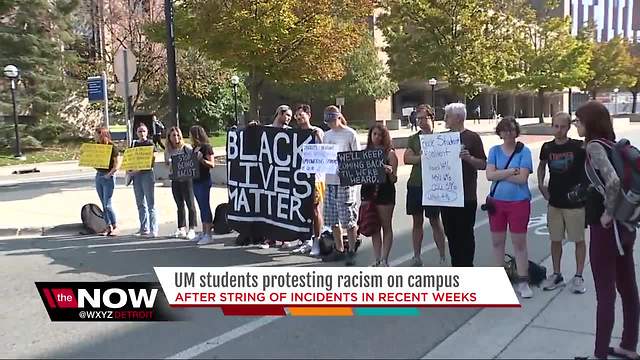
(95, 155)
(138, 158)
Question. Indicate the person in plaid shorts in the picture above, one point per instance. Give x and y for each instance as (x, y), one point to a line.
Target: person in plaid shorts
(340, 207)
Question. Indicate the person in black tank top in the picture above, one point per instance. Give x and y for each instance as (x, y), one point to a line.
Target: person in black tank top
(383, 195)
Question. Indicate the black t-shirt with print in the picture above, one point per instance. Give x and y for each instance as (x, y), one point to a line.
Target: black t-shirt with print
(566, 168)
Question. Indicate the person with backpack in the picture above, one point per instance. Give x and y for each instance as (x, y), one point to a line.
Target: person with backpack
(181, 189)
(415, 209)
(612, 236)
(565, 158)
(158, 130)
(144, 188)
(106, 181)
(202, 185)
(509, 204)
(382, 195)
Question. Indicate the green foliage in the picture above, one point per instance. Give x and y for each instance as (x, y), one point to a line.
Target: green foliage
(8, 138)
(609, 65)
(33, 35)
(366, 76)
(465, 42)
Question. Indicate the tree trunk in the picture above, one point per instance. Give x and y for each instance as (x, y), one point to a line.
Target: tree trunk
(594, 93)
(541, 105)
(255, 91)
(635, 101)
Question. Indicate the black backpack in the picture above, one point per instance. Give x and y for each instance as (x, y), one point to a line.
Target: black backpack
(246, 240)
(93, 219)
(537, 272)
(220, 223)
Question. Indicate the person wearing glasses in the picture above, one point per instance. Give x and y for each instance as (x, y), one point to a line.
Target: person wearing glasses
(144, 187)
(511, 198)
(565, 217)
(340, 207)
(412, 155)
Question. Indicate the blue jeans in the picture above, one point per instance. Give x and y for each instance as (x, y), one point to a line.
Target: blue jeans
(202, 191)
(105, 187)
(143, 188)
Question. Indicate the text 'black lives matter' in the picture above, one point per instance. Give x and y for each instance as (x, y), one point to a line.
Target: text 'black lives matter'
(268, 193)
(361, 167)
(185, 166)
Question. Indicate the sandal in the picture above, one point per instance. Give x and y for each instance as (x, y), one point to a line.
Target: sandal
(613, 352)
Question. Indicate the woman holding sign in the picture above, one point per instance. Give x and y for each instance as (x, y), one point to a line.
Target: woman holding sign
(509, 204)
(144, 188)
(202, 184)
(382, 195)
(106, 181)
(182, 188)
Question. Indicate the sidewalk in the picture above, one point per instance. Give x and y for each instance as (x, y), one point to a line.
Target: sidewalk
(552, 325)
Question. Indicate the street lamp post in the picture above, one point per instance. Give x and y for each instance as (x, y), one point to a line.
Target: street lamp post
(235, 80)
(433, 83)
(12, 73)
(616, 100)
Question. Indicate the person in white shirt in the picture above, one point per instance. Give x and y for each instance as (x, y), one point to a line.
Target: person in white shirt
(340, 208)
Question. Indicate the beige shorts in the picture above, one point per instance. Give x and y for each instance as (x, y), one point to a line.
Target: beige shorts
(566, 224)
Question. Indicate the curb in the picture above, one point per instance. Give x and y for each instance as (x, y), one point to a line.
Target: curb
(43, 230)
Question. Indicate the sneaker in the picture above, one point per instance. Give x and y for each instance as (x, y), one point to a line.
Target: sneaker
(443, 261)
(315, 248)
(305, 248)
(553, 282)
(142, 233)
(191, 235)
(205, 239)
(351, 258)
(524, 290)
(577, 285)
(290, 244)
(180, 233)
(334, 256)
(416, 262)
(384, 263)
(378, 263)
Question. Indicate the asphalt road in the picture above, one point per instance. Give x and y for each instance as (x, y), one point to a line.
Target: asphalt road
(26, 330)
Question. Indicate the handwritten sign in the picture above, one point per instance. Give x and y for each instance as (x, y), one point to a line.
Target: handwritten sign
(442, 183)
(95, 155)
(184, 166)
(319, 159)
(361, 167)
(138, 158)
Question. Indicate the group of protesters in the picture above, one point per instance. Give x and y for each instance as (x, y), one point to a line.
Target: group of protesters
(508, 166)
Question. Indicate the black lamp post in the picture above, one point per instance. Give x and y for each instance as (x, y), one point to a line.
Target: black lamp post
(12, 73)
(433, 83)
(235, 80)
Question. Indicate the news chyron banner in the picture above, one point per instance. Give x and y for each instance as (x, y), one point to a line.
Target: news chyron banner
(105, 301)
(269, 193)
(319, 291)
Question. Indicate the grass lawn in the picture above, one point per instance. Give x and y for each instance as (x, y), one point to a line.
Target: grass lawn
(218, 140)
(59, 152)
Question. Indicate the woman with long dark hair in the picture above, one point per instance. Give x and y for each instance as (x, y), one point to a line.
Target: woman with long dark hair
(106, 181)
(611, 269)
(181, 189)
(202, 185)
(382, 195)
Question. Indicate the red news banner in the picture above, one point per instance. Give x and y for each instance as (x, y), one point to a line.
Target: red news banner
(337, 286)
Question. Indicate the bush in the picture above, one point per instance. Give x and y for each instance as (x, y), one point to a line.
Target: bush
(50, 131)
(27, 142)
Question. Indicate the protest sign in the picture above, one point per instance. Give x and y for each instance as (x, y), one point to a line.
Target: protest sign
(269, 194)
(319, 159)
(184, 166)
(361, 167)
(95, 155)
(138, 158)
(442, 170)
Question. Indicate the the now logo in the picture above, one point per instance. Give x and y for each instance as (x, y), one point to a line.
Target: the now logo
(116, 298)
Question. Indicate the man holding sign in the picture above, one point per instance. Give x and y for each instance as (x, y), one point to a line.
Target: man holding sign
(459, 222)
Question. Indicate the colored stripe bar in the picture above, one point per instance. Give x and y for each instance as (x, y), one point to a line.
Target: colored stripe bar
(381, 311)
(250, 310)
(320, 311)
(47, 294)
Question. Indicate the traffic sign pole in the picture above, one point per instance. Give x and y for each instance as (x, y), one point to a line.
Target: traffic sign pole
(106, 99)
(126, 97)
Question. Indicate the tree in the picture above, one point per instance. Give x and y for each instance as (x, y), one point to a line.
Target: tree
(551, 59)
(366, 77)
(34, 35)
(278, 40)
(633, 74)
(609, 62)
(466, 42)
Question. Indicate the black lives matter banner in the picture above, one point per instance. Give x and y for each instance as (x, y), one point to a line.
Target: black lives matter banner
(269, 195)
(361, 167)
